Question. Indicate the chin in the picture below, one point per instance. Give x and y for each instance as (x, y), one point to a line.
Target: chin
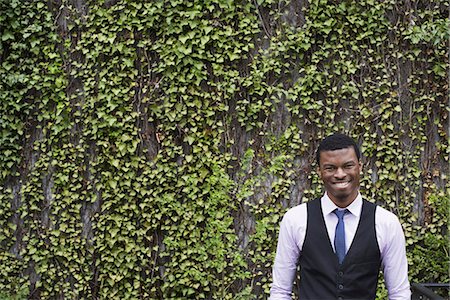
(344, 197)
(341, 196)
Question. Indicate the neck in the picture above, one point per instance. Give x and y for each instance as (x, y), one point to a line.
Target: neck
(343, 202)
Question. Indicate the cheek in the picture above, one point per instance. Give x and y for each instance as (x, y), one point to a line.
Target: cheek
(319, 173)
(326, 180)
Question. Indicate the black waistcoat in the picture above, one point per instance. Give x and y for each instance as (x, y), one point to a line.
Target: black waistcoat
(321, 276)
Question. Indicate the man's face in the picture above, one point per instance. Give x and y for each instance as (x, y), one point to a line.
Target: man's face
(339, 171)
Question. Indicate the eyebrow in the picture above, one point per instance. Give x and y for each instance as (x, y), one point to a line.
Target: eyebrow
(350, 162)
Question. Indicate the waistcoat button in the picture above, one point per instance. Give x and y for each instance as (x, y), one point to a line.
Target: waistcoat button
(340, 286)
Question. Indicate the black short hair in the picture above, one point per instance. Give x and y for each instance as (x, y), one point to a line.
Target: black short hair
(335, 142)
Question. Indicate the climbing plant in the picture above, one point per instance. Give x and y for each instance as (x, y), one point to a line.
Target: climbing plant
(150, 149)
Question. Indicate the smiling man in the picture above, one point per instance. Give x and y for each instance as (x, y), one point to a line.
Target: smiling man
(338, 243)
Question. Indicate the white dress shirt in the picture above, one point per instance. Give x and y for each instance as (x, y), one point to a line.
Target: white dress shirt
(390, 237)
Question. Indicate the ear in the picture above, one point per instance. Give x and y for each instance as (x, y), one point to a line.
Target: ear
(360, 166)
(319, 172)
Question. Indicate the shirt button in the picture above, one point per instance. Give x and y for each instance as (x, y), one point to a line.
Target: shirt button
(340, 286)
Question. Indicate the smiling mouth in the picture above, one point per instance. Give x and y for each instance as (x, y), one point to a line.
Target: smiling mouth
(343, 184)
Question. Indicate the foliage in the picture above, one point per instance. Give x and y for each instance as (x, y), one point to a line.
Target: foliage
(433, 240)
(150, 149)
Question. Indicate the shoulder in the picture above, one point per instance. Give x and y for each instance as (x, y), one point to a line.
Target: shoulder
(390, 236)
(386, 220)
(384, 216)
(293, 224)
(296, 211)
(295, 215)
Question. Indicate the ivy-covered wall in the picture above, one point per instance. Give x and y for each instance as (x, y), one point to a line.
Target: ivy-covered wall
(149, 149)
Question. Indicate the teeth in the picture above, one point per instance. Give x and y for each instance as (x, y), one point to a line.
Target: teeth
(341, 184)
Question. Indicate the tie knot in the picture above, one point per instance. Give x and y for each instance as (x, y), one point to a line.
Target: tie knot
(340, 213)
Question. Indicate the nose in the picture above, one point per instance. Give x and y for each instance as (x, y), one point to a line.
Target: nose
(339, 173)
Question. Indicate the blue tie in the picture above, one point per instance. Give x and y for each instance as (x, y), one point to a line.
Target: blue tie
(339, 237)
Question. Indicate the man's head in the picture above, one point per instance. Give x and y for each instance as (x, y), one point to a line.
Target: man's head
(339, 167)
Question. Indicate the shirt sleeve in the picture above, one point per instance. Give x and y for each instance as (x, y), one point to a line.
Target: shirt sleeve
(288, 252)
(393, 257)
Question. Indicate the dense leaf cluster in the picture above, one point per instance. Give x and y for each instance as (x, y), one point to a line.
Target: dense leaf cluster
(150, 148)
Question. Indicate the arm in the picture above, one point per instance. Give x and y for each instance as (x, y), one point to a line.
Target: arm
(394, 262)
(288, 251)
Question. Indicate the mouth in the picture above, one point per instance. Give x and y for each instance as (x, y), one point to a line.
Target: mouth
(341, 184)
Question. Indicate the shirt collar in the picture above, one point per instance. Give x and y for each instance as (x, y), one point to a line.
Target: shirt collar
(354, 208)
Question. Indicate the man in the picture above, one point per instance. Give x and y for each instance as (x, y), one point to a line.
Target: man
(340, 241)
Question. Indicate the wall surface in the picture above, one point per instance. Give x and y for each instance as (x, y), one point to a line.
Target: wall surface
(149, 149)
